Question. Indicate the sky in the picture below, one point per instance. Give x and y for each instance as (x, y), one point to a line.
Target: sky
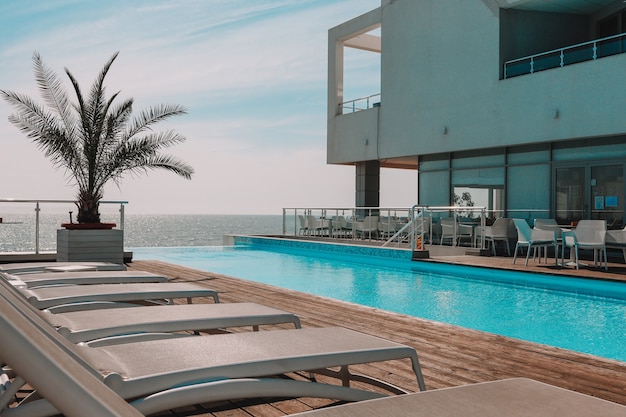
(252, 74)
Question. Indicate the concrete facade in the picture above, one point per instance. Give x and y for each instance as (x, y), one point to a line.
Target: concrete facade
(448, 111)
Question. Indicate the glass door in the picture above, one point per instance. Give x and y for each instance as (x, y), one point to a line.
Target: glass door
(570, 195)
(607, 193)
(590, 192)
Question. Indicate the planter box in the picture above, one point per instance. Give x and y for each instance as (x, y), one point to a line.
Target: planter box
(90, 245)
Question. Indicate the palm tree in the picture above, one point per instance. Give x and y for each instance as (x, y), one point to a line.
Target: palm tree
(92, 139)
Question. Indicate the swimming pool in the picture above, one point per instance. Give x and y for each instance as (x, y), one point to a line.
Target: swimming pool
(583, 315)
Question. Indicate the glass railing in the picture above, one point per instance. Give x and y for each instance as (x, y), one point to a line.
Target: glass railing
(408, 227)
(28, 226)
(358, 104)
(568, 55)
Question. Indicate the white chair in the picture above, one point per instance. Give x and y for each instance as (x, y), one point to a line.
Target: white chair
(588, 235)
(367, 227)
(616, 239)
(499, 231)
(552, 225)
(317, 226)
(348, 226)
(387, 227)
(451, 229)
(532, 239)
(303, 230)
(340, 226)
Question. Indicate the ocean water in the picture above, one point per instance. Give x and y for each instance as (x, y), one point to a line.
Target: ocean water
(17, 231)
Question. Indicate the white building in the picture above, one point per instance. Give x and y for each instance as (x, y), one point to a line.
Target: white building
(521, 102)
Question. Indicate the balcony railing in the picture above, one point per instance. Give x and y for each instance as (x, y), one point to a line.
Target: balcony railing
(30, 225)
(358, 104)
(568, 55)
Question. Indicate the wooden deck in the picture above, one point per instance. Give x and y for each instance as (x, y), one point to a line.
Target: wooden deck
(449, 355)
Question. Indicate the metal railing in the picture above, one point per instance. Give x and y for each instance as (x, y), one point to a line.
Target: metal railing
(410, 227)
(475, 217)
(358, 104)
(573, 54)
(341, 222)
(7, 216)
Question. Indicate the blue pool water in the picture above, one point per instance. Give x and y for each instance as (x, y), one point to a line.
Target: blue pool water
(583, 315)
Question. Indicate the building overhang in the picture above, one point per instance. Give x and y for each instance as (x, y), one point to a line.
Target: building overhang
(405, 162)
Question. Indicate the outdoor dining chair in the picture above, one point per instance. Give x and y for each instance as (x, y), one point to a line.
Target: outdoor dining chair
(498, 232)
(533, 239)
(588, 235)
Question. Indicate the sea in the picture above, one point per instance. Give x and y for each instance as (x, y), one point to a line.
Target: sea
(18, 230)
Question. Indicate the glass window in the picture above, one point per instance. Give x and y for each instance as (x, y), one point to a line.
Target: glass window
(478, 159)
(590, 149)
(528, 191)
(434, 188)
(482, 176)
(529, 154)
(492, 198)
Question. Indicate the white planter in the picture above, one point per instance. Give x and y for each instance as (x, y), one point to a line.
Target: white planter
(93, 245)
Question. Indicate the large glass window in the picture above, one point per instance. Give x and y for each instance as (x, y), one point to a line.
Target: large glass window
(434, 188)
(480, 187)
(492, 198)
(528, 191)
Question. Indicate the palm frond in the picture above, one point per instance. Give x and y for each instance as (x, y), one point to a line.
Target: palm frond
(157, 140)
(141, 165)
(154, 115)
(98, 104)
(46, 130)
(80, 106)
(52, 91)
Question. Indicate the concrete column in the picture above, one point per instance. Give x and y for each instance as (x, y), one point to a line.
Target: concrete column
(367, 184)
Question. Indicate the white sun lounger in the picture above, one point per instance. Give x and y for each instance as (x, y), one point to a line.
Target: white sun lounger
(83, 326)
(163, 374)
(82, 278)
(518, 397)
(77, 295)
(33, 267)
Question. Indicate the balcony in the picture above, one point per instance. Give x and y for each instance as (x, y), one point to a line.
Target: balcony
(362, 103)
(588, 51)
